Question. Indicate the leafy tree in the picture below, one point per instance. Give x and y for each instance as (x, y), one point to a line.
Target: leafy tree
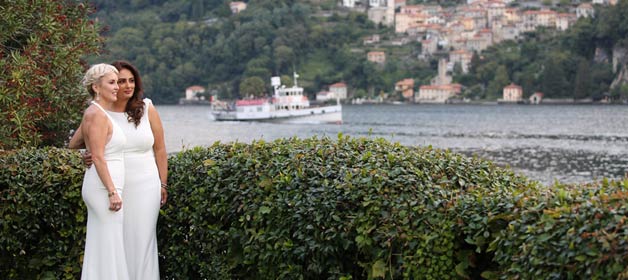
(583, 80)
(42, 44)
(496, 86)
(553, 80)
(253, 86)
(284, 57)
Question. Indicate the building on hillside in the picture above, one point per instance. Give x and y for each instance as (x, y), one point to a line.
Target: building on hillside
(406, 87)
(585, 10)
(505, 32)
(534, 19)
(349, 3)
(468, 23)
(437, 93)
(399, 3)
(237, 7)
(339, 90)
(564, 21)
(461, 57)
(378, 57)
(372, 39)
(604, 2)
(382, 12)
(428, 47)
(512, 15)
(477, 43)
(377, 3)
(495, 11)
(512, 94)
(404, 21)
(441, 88)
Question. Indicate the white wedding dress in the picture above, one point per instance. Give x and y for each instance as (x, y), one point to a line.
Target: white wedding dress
(104, 257)
(141, 198)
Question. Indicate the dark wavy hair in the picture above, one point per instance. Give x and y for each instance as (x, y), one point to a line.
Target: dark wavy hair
(135, 107)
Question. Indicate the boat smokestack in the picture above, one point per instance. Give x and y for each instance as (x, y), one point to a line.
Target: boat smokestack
(275, 82)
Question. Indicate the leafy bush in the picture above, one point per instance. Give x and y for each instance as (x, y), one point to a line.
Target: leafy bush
(42, 215)
(327, 209)
(318, 208)
(571, 232)
(41, 46)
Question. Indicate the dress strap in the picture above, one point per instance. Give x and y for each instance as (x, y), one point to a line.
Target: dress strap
(104, 111)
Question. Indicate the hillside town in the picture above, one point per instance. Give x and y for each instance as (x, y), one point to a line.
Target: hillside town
(458, 32)
(464, 31)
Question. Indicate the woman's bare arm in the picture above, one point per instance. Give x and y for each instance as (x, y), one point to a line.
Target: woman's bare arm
(159, 147)
(96, 130)
(77, 141)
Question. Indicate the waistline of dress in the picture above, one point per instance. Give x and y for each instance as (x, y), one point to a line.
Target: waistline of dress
(116, 157)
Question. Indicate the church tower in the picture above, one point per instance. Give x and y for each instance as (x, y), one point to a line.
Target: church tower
(390, 13)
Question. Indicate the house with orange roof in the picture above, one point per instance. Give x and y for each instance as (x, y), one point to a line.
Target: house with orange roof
(378, 57)
(191, 93)
(564, 21)
(512, 15)
(339, 90)
(495, 10)
(477, 43)
(437, 93)
(405, 21)
(237, 7)
(512, 93)
(406, 87)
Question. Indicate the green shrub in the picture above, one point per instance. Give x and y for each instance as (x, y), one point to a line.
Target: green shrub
(570, 232)
(41, 46)
(42, 215)
(327, 209)
(319, 208)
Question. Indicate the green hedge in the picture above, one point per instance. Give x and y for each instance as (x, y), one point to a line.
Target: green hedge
(325, 208)
(42, 215)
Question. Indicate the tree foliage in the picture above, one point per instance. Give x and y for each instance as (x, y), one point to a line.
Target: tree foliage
(253, 86)
(42, 44)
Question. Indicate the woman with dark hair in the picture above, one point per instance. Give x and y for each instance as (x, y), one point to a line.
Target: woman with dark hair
(146, 171)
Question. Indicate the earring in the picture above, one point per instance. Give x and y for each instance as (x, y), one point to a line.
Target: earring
(97, 96)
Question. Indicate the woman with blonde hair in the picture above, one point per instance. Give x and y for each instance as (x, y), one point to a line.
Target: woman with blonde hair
(103, 182)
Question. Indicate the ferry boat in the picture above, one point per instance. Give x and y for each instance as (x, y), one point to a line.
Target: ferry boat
(287, 105)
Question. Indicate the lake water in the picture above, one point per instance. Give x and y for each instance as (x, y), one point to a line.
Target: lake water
(567, 143)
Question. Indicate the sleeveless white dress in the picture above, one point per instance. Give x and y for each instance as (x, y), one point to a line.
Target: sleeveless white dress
(104, 257)
(142, 196)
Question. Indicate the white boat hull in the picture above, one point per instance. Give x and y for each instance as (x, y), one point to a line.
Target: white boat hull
(326, 114)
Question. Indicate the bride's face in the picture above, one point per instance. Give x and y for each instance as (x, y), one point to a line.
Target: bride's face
(126, 82)
(107, 87)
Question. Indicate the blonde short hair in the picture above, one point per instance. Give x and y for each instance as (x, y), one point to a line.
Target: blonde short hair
(94, 74)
